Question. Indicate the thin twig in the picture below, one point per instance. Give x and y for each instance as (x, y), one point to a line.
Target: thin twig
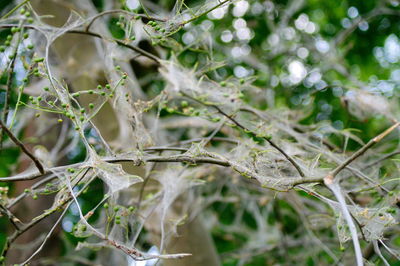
(361, 151)
(93, 19)
(35, 160)
(272, 143)
(11, 217)
(14, 9)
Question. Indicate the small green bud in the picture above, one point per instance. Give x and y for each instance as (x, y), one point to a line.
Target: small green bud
(133, 38)
(7, 43)
(116, 208)
(59, 120)
(71, 170)
(30, 20)
(131, 208)
(99, 87)
(26, 35)
(76, 94)
(184, 104)
(108, 86)
(37, 115)
(117, 221)
(118, 68)
(222, 83)
(30, 46)
(14, 30)
(27, 190)
(64, 105)
(91, 91)
(91, 105)
(2, 49)
(46, 88)
(77, 128)
(25, 80)
(82, 118)
(35, 197)
(102, 93)
(27, 14)
(39, 98)
(105, 206)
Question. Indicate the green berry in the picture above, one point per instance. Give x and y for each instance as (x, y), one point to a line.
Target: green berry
(102, 93)
(105, 206)
(7, 43)
(91, 91)
(99, 87)
(81, 118)
(91, 105)
(116, 208)
(37, 115)
(30, 20)
(77, 128)
(30, 46)
(46, 88)
(222, 83)
(26, 35)
(27, 190)
(2, 49)
(35, 197)
(27, 14)
(108, 86)
(76, 94)
(82, 111)
(59, 120)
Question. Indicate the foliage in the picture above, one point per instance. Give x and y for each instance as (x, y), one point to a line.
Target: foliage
(276, 122)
